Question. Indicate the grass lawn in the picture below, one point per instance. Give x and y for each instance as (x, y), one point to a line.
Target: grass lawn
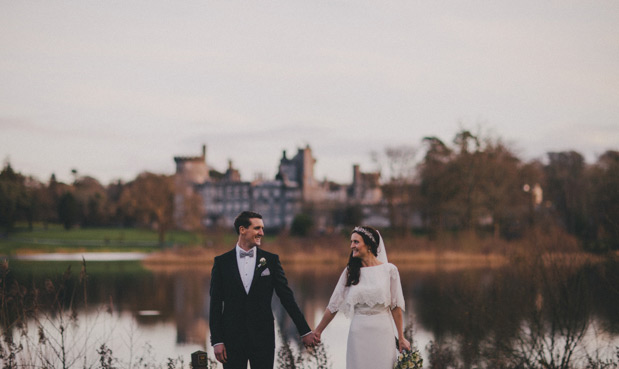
(24, 269)
(54, 238)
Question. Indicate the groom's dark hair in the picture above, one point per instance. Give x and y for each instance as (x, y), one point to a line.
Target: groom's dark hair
(243, 220)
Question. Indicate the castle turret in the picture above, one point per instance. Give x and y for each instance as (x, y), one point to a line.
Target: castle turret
(232, 174)
(190, 171)
(299, 171)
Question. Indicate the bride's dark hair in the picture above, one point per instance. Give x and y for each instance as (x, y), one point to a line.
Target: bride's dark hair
(353, 269)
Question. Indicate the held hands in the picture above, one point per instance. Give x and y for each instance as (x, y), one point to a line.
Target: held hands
(311, 339)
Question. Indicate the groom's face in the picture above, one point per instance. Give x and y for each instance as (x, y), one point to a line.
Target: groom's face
(252, 235)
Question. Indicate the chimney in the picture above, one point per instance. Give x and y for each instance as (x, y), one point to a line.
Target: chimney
(204, 152)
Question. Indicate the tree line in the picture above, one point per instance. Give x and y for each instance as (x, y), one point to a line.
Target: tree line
(478, 183)
(146, 201)
(472, 183)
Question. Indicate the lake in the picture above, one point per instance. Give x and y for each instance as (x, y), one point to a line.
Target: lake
(474, 316)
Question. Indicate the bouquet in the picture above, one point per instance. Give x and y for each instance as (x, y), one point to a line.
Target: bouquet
(409, 360)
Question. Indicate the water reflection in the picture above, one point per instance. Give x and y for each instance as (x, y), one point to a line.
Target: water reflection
(475, 317)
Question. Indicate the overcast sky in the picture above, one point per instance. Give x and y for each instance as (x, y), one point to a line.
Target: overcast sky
(113, 88)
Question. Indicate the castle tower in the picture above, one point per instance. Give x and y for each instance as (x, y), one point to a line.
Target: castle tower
(300, 170)
(232, 174)
(365, 186)
(190, 171)
(307, 174)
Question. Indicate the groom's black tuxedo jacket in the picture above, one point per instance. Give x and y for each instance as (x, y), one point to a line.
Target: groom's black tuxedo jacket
(245, 320)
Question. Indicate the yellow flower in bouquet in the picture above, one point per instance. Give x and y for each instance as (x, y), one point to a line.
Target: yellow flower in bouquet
(409, 360)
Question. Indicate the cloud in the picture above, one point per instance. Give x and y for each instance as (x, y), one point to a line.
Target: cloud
(140, 82)
(7, 123)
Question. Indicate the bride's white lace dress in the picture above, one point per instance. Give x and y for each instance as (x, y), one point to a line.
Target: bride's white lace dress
(371, 338)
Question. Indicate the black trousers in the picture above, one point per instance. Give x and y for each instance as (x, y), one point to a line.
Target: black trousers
(258, 359)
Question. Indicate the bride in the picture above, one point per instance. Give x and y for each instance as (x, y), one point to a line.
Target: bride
(369, 291)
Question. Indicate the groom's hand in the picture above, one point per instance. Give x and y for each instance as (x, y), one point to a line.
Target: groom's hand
(220, 353)
(309, 340)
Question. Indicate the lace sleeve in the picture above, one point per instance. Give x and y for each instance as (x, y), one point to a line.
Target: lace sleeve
(397, 297)
(337, 298)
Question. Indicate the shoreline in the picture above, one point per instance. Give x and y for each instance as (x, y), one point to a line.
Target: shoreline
(169, 260)
(326, 257)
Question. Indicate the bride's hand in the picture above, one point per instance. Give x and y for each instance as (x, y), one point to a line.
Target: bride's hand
(404, 344)
(317, 335)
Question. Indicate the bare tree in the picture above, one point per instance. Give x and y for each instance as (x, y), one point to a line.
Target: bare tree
(399, 188)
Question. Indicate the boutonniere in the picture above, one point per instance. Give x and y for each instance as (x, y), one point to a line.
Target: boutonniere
(262, 263)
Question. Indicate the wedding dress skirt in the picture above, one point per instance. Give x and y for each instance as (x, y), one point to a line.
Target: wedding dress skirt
(371, 339)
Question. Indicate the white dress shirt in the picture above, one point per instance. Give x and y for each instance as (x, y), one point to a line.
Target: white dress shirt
(247, 266)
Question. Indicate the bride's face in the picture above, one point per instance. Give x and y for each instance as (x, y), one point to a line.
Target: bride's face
(358, 247)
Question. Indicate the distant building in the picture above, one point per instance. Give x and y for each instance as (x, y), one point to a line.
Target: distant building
(190, 170)
(279, 200)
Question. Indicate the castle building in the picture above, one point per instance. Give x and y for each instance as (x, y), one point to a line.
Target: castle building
(223, 196)
(190, 170)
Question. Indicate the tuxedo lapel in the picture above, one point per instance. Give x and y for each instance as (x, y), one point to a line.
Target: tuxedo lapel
(257, 269)
(235, 269)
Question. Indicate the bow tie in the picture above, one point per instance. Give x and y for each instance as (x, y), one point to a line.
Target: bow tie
(249, 253)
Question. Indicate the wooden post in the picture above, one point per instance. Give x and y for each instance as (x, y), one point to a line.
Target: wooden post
(199, 360)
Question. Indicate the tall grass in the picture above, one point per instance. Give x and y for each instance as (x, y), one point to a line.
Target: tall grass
(41, 326)
(289, 357)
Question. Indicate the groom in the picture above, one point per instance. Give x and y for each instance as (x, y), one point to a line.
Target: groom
(242, 284)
